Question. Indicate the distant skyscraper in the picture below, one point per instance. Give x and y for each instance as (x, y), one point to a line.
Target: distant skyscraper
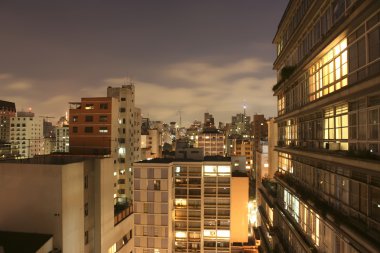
(208, 121)
(7, 110)
(212, 141)
(27, 138)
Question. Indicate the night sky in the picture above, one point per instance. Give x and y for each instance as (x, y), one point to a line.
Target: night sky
(193, 56)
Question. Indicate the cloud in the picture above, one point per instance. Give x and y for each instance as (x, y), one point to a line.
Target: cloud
(4, 76)
(9, 83)
(219, 89)
(199, 73)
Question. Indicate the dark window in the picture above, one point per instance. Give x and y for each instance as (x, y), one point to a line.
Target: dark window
(88, 129)
(356, 54)
(103, 106)
(122, 99)
(86, 209)
(122, 109)
(121, 191)
(89, 118)
(103, 118)
(374, 44)
(75, 129)
(86, 182)
(157, 184)
(86, 237)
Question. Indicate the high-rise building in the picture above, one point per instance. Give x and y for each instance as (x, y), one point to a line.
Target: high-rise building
(129, 133)
(26, 131)
(62, 135)
(240, 125)
(189, 205)
(151, 144)
(7, 110)
(208, 121)
(93, 126)
(242, 147)
(109, 126)
(69, 198)
(259, 127)
(326, 194)
(212, 141)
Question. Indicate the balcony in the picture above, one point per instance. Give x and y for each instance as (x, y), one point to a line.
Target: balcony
(355, 223)
(121, 212)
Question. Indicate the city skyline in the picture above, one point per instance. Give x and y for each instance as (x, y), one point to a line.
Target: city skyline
(57, 53)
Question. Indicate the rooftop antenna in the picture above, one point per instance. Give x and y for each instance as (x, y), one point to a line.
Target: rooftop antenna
(180, 118)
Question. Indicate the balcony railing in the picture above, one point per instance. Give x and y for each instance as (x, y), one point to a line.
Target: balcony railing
(122, 211)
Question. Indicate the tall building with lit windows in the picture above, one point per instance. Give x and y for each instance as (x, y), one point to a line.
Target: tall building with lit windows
(109, 126)
(7, 110)
(325, 196)
(189, 205)
(26, 135)
(212, 141)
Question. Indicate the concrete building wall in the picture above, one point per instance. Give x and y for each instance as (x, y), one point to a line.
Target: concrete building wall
(73, 207)
(31, 199)
(272, 143)
(239, 209)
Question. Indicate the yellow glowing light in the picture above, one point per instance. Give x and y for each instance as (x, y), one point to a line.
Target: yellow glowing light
(180, 234)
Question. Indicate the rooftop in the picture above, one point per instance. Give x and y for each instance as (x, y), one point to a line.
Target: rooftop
(205, 159)
(7, 105)
(22, 242)
(52, 159)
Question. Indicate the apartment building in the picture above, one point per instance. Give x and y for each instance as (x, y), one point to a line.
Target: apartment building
(61, 142)
(151, 146)
(326, 193)
(7, 110)
(109, 126)
(189, 206)
(69, 198)
(242, 147)
(26, 135)
(129, 133)
(212, 141)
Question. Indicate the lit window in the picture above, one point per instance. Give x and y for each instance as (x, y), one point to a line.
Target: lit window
(103, 130)
(224, 169)
(209, 170)
(89, 107)
(180, 234)
(329, 73)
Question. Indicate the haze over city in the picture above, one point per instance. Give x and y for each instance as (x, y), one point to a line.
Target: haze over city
(188, 55)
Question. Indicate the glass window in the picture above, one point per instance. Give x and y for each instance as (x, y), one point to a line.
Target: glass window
(89, 107)
(88, 129)
(89, 118)
(103, 118)
(374, 44)
(103, 130)
(103, 106)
